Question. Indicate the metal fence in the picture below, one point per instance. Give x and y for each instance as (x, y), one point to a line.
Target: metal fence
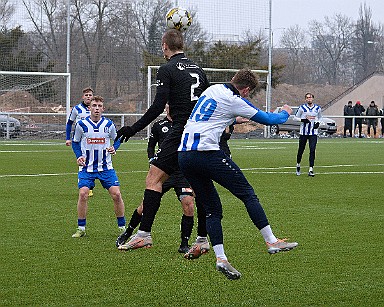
(35, 126)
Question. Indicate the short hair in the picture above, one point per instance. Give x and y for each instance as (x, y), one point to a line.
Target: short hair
(245, 78)
(97, 98)
(174, 40)
(372, 101)
(305, 96)
(88, 89)
(349, 101)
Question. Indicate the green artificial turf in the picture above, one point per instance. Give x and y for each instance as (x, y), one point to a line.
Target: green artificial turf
(337, 218)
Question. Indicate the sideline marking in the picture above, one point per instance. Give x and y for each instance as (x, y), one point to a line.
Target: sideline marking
(255, 170)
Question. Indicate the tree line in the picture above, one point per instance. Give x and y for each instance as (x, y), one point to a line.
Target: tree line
(112, 42)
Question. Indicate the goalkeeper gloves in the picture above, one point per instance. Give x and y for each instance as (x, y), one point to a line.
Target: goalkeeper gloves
(124, 133)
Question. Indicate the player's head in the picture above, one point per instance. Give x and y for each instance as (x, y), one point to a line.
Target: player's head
(87, 95)
(309, 98)
(372, 103)
(245, 81)
(172, 42)
(96, 106)
(350, 103)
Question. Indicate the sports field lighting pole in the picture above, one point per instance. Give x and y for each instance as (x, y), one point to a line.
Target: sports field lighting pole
(381, 58)
(267, 131)
(68, 94)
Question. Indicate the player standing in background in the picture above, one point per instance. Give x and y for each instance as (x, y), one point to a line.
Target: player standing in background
(310, 115)
(91, 145)
(180, 82)
(183, 190)
(79, 112)
(203, 163)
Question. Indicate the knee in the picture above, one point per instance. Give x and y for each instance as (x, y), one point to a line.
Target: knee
(83, 194)
(188, 205)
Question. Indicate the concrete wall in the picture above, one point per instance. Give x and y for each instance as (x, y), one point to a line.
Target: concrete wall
(371, 89)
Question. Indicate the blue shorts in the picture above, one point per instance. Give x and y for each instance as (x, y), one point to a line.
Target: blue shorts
(107, 179)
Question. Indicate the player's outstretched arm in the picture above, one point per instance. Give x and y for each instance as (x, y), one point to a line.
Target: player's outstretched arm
(268, 118)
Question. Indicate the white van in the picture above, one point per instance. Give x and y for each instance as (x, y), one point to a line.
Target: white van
(10, 123)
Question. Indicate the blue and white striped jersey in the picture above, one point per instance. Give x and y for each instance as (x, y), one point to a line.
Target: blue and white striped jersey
(94, 139)
(79, 112)
(217, 108)
(307, 128)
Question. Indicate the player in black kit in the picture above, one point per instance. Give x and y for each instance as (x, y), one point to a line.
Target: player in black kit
(177, 181)
(179, 82)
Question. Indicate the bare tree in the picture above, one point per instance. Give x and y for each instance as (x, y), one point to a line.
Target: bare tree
(49, 22)
(367, 46)
(331, 40)
(295, 44)
(7, 9)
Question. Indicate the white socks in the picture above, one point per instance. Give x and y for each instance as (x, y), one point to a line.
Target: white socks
(268, 235)
(219, 251)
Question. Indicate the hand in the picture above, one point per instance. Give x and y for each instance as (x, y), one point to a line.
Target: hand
(287, 109)
(124, 133)
(111, 150)
(81, 161)
(68, 143)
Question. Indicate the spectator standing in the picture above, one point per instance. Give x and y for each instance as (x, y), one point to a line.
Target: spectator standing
(348, 111)
(359, 110)
(372, 110)
(382, 122)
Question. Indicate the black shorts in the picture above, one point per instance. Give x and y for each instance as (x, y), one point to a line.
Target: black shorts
(166, 156)
(178, 182)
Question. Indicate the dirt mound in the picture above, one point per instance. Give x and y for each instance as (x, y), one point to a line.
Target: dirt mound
(294, 94)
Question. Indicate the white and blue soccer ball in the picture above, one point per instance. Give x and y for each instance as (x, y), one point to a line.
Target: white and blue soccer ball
(179, 19)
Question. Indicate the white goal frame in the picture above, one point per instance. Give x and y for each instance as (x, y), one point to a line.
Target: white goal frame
(150, 84)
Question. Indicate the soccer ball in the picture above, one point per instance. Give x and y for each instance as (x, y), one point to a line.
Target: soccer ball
(179, 19)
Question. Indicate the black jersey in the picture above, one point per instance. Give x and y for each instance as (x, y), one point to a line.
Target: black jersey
(179, 82)
(182, 81)
(159, 131)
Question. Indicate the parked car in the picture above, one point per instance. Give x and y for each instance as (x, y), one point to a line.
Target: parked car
(327, 125)
(13, 126)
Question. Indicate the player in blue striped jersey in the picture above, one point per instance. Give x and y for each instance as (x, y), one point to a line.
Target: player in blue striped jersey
(79, 112)
(203, 162)
(310, 116)
(92, 146)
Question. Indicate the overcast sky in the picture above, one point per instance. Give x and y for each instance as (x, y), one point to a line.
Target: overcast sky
(233, 17)
(230, 19)
(286, 13)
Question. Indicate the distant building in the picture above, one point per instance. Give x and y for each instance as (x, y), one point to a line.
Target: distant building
(368, 89)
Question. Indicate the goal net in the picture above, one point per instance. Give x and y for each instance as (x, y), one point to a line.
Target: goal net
(23, 94)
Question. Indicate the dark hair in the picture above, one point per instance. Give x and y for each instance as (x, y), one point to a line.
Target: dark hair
(97, 98)
(88, 89)
(174, 40)
(372, 102)
(245, 78)
(305, 96)
(349, 101)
